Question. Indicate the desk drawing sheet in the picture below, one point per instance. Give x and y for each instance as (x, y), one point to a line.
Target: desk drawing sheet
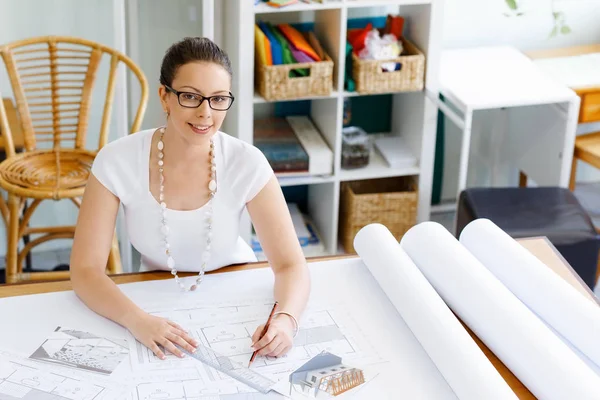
(227, 330)
(365, 330)
(192, 316)
(24, 379)
(83, 350)
(188, 384)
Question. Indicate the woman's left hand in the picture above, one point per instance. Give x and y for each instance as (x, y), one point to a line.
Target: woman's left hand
(278, 339)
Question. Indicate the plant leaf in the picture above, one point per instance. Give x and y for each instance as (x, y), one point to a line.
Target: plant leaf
(512, 4)
(565, 30)
(559, 16)
(554, 31)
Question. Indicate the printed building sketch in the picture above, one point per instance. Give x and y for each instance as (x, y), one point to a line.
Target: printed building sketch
(25, 380)
(188, 384)
(319, 332)
(325, 376)
(191, 316)
(191, 311)
(82, 350)
(228, 330)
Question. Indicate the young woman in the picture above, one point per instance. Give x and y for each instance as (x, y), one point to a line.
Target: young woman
(183, 188)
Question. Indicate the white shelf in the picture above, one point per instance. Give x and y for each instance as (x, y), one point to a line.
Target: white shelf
(357, 94)
(258, 99)
(263, 8)
(377, 168)
(304, 180)
(413, 116)
(377, 3)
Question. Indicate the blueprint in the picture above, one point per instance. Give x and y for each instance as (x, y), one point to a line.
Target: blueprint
(22, 378)
(82, 350)
(227, 330)
(321, 330)
(189, 384)
(193, 317)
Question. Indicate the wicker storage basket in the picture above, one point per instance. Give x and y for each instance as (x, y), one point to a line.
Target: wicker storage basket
(274, 81)
(370, 77)
(390, 201)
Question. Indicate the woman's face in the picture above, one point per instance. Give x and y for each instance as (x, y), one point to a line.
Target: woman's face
(197, 125)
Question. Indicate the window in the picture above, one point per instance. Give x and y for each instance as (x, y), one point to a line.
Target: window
(313, 379)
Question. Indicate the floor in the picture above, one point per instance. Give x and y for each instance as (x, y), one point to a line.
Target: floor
(588, 194)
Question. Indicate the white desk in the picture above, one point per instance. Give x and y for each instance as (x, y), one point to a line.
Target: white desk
(503, 78)
(576, 71)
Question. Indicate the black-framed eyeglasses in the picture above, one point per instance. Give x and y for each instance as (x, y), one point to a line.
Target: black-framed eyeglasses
(194, 100)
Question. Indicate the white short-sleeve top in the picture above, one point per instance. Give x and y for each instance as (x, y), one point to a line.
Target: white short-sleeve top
(122, 166)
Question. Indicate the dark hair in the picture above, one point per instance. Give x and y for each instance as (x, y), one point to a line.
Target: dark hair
(191, 49)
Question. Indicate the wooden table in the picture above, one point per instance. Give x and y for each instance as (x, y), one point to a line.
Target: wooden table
(540, 247)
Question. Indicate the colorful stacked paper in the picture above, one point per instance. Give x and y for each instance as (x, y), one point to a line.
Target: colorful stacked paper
(284, 44)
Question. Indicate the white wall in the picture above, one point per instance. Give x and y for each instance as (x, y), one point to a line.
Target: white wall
(156, 25)
(471, 23)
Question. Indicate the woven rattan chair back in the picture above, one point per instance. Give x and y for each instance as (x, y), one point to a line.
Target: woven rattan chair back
(52, 78)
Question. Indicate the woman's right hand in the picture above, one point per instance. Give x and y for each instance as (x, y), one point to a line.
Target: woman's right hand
(153, 331)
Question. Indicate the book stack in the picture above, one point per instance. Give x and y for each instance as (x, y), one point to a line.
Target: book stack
(293, 146)
(278, 142)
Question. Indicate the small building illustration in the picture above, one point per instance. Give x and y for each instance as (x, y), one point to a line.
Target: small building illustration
(325, 376)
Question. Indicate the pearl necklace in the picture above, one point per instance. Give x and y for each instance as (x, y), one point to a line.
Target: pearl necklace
(212, 186)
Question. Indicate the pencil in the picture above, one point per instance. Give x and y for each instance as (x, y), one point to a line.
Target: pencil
(263, 332)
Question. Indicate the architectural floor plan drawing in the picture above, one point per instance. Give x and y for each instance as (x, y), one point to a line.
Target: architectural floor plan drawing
(23, 379)
(82, 350)
(189, 384)
(321, 330)
(192, 317)
(228, 330)
(190, 313)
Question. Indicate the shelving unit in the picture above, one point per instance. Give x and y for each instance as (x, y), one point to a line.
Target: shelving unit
(413, 115)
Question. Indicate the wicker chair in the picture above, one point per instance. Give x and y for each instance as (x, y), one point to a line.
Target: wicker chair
(52, 78)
